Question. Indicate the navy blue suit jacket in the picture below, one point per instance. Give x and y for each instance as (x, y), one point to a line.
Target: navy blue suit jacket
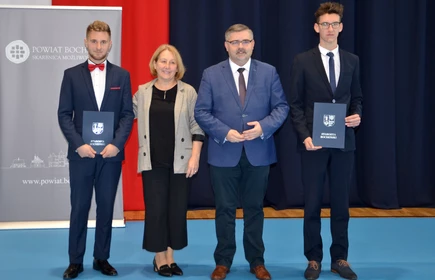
(77, 95)
(218, 109)
(309, 83)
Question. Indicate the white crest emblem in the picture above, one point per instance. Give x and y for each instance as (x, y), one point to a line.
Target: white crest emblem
(17, 51)
(97, 128)
(329, 120)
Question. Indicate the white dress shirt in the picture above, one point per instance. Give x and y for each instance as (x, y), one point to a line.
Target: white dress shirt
(325, 60)
(235, 67)
(99, 82)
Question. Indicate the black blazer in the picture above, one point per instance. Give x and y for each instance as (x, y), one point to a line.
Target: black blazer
(77, 95)
(309, 83)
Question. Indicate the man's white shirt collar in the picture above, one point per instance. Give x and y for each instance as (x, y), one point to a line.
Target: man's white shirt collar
(326, 51)
(235, 67)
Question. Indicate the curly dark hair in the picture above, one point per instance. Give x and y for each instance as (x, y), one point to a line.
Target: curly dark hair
(329, 8)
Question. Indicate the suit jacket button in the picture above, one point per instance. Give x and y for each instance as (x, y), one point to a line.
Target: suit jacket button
(182, 139)
(144, 154)
(182, 157)
(145, 136)
(333, 100)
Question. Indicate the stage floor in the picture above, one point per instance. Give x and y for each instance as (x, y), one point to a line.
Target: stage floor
(380, 248)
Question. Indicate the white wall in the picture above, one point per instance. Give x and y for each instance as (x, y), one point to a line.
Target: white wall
(25, 2)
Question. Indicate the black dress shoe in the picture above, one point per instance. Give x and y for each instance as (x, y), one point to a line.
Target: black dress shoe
(105, 267)
(176, 270)
(72, 271)
(164, 270)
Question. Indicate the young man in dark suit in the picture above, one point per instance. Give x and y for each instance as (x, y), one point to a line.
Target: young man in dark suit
(331, 75)
(96, 85)
(240, 105)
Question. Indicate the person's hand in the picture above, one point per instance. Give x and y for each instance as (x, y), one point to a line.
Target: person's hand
(309, 144)
(192, 166)
(352, 120)
(234, 136)
(109, 151)
(254, 132)
(86, 151)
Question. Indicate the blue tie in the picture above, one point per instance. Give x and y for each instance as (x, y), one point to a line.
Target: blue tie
(332, 72)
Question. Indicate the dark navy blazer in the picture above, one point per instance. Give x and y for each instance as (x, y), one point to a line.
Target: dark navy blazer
(77, 95)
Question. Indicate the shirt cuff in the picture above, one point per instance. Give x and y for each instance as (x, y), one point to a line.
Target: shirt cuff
(198, 137)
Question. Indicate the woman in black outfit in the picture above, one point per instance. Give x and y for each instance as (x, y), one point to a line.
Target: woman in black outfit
(170, 144)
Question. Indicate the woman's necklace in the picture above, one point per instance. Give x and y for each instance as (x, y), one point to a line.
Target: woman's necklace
(165, 90)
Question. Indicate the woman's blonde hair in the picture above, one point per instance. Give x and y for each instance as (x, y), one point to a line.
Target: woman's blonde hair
(181, 69)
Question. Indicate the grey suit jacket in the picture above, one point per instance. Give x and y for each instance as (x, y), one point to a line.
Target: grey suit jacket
(185, 125)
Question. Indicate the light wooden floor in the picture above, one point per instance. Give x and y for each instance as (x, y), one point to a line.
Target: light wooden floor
(298, 213)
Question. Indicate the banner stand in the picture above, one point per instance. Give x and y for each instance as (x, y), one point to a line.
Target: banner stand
(37, 44)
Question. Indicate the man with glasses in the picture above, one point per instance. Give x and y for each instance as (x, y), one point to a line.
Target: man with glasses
(240, 105)
(326, 74)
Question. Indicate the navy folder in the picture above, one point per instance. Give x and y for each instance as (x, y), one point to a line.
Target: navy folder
(328, 125)
(98, 129)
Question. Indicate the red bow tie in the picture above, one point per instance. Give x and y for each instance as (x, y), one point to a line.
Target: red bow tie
(93, 66)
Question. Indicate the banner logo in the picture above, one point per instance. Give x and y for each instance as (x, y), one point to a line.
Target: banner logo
(329, 120)
(17, 51)
(97, 128)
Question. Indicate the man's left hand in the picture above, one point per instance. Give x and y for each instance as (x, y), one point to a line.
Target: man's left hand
(352, 120)
(254, 132)
(109, 151)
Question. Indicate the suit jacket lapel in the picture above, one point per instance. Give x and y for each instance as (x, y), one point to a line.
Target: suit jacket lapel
(251, 81)
(229, 79)
(319, 65)
(148, 96)
(88, 82)
(343, 68)
(109, 77)
(178, 105)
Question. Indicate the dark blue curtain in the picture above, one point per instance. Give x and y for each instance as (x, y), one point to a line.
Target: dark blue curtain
(395, 40)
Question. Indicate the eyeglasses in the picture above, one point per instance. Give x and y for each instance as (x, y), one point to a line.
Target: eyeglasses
(237, 42)
(325, 25)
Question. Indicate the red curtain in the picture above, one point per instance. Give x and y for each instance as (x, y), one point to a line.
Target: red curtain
(145, 25)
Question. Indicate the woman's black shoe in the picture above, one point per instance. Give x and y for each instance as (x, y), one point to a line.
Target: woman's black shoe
(164, 270)
(176, 270)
